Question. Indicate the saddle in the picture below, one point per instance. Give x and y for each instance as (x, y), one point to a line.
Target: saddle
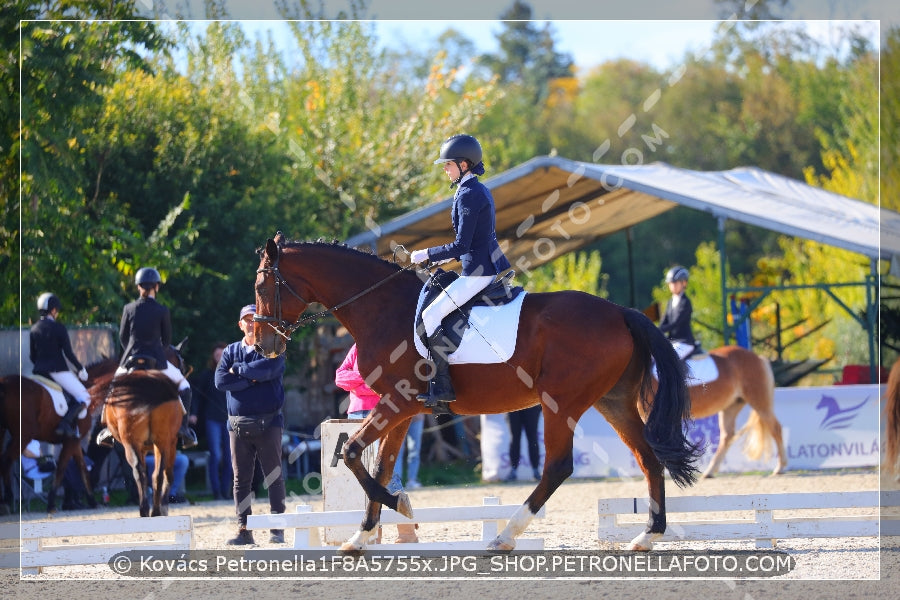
(141, 362)
(497, 293)
(61, 397)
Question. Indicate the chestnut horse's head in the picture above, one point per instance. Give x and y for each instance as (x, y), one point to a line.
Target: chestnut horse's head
(278, 306)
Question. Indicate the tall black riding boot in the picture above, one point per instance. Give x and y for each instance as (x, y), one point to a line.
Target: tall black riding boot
(186, 434)
(441, 387)
(67, 427)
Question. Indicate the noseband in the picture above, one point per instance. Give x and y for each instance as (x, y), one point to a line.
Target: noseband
(281, 326)
(285, 328)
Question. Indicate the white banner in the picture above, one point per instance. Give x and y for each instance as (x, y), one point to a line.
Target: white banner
(823, 428)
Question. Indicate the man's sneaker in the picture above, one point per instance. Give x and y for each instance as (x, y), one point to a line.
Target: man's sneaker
(276, 536)
(243, 538)
(412, 485)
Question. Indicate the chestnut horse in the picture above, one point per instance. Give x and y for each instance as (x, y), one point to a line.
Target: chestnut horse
(143, 411)
(892, 414)
(744, 379)
(37, 421)
(573, 350)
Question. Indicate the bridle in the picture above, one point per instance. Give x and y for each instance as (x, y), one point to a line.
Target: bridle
(286, 328)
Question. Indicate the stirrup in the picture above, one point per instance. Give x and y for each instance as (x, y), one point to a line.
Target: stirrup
(188, 438)
(105, 438)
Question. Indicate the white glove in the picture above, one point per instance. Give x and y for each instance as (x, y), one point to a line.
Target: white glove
(82, 374)
(418, 256)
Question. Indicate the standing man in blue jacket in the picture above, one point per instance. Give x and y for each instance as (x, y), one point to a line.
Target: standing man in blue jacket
(255, 397)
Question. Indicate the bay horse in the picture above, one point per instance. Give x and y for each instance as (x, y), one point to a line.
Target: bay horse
(745, 378)
(27, 413)
(892, 414)
(573, 350)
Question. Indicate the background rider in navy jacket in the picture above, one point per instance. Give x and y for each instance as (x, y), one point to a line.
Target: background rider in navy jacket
(676, 322)
(49, 348)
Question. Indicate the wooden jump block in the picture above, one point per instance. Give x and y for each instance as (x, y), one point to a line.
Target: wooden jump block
(762, 527)
(492, 515)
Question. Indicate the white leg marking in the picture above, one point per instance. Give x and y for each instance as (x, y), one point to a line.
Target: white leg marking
(517, 525)
(644, 542)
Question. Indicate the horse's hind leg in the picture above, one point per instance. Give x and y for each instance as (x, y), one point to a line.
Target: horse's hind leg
(727, 420)
(78, 456)
(139, 470)
(558, 466)
(774, 428)
(631, 430)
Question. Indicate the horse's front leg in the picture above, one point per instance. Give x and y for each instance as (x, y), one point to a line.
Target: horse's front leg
(375, 488)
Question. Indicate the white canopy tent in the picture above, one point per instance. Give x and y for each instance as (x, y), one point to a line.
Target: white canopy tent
(548, 206)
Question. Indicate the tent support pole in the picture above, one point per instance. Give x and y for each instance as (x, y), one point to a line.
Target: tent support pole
(726, 332)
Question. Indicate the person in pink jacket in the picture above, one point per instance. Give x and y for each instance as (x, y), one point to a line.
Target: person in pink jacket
(362, 400)
(347, 377)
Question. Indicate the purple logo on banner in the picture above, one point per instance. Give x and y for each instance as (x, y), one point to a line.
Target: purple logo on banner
(705, 433)
(835, 416)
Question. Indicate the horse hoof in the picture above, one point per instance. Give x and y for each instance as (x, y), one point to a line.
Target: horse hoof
(499, 545)
(404, 506)
(644, 542)
(350, 549)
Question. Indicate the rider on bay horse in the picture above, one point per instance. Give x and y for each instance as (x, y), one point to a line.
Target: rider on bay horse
(50, 347)
(473, 218)
(145, 331)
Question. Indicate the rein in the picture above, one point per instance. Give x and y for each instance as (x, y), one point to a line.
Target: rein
(286, 328)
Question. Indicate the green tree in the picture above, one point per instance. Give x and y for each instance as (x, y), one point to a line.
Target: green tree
(66, 65)
(574, 271)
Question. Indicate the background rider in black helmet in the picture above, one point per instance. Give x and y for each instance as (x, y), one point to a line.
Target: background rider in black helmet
(146, 329)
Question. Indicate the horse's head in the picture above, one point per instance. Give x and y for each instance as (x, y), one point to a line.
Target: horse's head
(278, 305)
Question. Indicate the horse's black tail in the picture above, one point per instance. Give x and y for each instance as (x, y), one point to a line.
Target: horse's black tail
(671, 406)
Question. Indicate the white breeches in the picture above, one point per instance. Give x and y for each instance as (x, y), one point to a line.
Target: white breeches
(171, 372)
(452, 297)
(70, 382)
(682, 349)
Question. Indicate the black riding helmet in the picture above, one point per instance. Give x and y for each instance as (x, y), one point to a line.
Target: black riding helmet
(147, 276)
(458, 148)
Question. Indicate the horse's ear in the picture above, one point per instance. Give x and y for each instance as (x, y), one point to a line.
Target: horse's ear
(181, 344)
(279, 238)
(272, 251)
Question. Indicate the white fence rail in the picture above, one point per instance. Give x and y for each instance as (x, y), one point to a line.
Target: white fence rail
(617, 517)
(39, 547)
(491, 514)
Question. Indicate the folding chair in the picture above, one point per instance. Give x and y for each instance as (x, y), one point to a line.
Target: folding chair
(32, 487)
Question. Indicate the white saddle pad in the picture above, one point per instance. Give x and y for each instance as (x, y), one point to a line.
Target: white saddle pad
(56, 394)
(490, 337)
(700, 370)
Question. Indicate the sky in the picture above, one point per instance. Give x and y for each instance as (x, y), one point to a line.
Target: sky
(662, 44)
